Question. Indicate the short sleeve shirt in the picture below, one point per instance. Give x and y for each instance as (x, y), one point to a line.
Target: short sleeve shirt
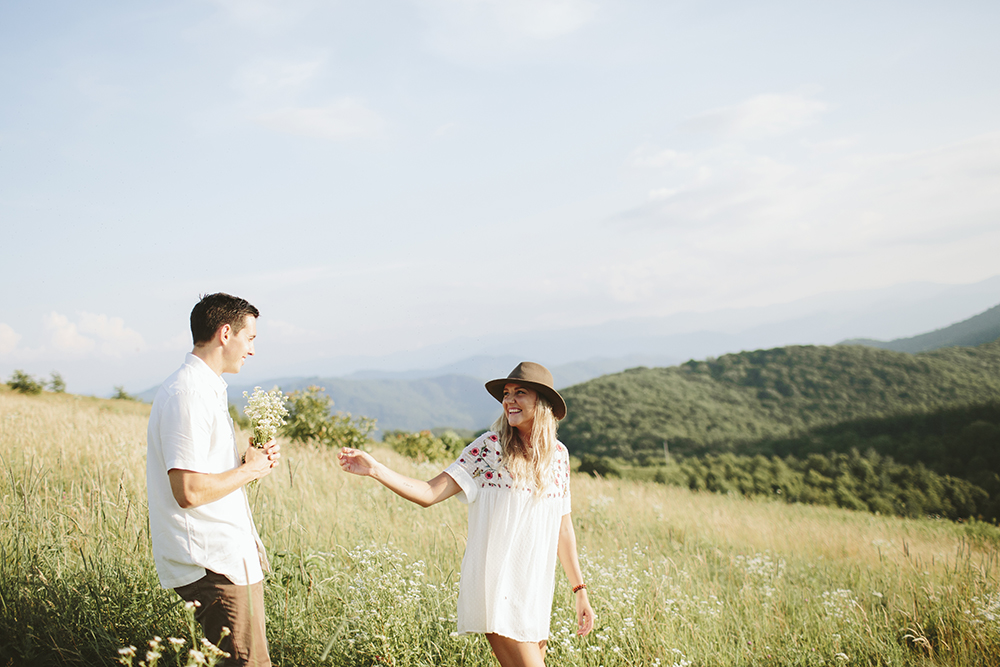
(190, 429)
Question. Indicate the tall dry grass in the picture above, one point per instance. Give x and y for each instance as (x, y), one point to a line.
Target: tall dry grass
(363, 578)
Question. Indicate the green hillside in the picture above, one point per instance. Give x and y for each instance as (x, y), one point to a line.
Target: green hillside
(724, 404)
(983, 328)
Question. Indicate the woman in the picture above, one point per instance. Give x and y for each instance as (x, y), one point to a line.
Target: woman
(515, 479)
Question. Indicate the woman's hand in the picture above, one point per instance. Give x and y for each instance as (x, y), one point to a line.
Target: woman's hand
(584, 614)
(357, 462)
(424, 494)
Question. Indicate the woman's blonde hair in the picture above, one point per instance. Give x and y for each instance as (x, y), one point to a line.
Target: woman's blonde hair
(529, 464)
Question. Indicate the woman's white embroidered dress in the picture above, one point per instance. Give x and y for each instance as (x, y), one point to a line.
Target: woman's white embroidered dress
(508, 571)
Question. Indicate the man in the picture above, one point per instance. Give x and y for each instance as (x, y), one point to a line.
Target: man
(205, 544)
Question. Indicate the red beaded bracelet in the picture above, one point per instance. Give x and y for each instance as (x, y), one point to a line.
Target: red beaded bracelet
(577, 589)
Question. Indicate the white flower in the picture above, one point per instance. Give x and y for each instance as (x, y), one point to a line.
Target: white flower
(266, 410)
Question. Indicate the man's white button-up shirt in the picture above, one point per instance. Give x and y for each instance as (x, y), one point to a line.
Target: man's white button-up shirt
(190, 429)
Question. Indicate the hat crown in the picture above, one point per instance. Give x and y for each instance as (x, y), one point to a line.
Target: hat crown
(529, 371)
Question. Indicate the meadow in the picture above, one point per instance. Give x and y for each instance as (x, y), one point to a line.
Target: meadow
(362, 578)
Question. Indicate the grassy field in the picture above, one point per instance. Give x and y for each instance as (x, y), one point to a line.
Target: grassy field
(362, 578)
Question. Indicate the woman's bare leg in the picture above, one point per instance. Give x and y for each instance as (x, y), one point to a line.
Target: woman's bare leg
(512, 653)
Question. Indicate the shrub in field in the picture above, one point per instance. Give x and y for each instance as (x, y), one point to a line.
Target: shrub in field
(599, 466)
(309, 419)
(308, 414)
(57, 384)
(122, 395)
(454, 443)
(24, 383)
(423, 446)
(348, 431)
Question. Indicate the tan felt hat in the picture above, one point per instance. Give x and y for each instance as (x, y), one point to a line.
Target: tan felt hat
(532, 375)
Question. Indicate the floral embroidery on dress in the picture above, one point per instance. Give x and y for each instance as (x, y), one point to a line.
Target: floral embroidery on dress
(482, 462)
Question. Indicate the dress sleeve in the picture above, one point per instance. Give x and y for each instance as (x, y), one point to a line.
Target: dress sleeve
(468, 467)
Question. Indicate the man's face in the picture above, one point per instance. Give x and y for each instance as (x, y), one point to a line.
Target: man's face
(238, 346)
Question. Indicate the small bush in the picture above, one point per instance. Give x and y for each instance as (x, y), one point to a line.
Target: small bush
(308, 414)
(57, 384)
(309, 419)
(599, 466)
(422, 446)
(24, 383)
(348, 431)
(454, 443)
(122, 395)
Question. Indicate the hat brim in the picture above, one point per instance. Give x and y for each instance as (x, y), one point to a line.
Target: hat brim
(495, 388)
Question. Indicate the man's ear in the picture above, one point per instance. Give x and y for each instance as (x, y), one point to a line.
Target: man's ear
(225, 331)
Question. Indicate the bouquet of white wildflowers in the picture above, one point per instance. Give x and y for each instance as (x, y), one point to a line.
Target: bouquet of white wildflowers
(266, 410)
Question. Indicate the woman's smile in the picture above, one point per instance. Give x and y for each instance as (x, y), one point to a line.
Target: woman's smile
(519, 406)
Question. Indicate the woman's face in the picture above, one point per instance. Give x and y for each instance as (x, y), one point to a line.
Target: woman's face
(519, 406)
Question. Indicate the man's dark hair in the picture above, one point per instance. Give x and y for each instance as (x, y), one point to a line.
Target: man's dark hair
(214, 310)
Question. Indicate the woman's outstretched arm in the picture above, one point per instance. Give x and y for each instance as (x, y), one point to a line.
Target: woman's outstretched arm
(571, 564)
(424, 494)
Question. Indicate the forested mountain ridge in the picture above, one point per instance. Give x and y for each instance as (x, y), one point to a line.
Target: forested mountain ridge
(722, 404)
(982, 328)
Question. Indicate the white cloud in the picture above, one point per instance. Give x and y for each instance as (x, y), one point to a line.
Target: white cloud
(91, 335)
(288, 332)
(267, 77)
(645, 157)
(8, 339)
(760, 116)
(728, 211)
(347, 118)
(463, 28)
(116, 339)
(266, 15)
(180, 341)
(64, 337)
(539, 19)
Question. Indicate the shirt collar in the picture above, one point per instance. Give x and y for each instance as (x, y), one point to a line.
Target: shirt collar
(206, 374)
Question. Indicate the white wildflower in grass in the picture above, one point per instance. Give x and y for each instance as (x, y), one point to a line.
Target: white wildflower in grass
(985, 611)
(762, 572)
(267, 411)
(840, 605)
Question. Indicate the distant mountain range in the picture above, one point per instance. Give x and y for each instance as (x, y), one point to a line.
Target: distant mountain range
(451, 394)
(983, 328)
(884, 313)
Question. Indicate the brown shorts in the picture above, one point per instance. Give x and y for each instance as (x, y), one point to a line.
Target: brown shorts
(239, 608)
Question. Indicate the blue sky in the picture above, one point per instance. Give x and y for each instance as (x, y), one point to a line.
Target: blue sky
(384, 176)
